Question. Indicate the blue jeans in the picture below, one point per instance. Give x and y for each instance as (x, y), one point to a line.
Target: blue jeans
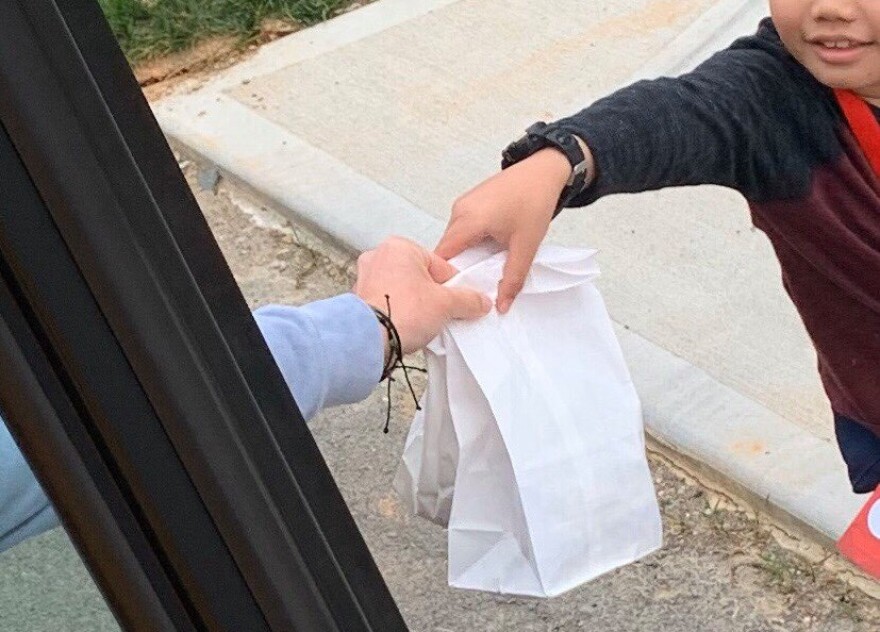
(861, 451)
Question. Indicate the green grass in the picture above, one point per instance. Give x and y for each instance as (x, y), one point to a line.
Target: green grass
(149, 28)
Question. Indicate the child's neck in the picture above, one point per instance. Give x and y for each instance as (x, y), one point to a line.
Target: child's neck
(873, 100)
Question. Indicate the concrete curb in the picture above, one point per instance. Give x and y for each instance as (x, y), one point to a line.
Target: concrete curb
(723, 435)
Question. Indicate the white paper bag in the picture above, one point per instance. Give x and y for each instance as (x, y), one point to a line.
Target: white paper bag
(426, 477)
(530, 445)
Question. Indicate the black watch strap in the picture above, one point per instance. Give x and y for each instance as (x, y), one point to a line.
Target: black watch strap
(541, 135)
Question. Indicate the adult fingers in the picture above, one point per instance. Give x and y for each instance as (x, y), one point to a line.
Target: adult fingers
(466, 304)
(440, 269)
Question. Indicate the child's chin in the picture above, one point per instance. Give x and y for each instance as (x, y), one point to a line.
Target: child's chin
(844, 79)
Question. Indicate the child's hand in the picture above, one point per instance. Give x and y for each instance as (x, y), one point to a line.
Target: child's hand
(513, 207)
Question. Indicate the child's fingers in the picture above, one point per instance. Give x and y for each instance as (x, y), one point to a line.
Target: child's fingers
(459, 236)
(519, 261)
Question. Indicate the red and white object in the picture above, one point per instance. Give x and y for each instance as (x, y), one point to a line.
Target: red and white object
(861, 542)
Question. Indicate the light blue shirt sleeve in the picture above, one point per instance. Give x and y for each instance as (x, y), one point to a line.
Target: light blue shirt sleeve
(330, 352)
(24, 509)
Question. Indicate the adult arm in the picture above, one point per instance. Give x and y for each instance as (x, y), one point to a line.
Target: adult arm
(329, 352)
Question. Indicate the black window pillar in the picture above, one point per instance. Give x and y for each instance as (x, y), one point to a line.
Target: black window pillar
(132, 373)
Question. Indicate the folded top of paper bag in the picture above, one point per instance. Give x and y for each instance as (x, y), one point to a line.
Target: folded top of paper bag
(555, 268)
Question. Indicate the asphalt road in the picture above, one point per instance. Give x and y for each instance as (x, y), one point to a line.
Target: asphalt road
(719, 571)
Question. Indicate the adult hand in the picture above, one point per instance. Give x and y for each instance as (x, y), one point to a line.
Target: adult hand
(514, 208)
(411, 277)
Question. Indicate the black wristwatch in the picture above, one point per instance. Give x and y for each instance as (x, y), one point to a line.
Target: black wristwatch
(541, 135)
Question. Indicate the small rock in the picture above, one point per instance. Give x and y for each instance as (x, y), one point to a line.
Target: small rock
(208, 179)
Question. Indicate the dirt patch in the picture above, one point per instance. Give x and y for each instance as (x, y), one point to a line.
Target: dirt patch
(187, 70)
(218, 50)
(266, 254)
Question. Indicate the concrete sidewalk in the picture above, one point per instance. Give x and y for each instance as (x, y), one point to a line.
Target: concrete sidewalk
(374, 122)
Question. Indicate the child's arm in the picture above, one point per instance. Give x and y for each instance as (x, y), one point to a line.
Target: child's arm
(743, 119)
(514, 207)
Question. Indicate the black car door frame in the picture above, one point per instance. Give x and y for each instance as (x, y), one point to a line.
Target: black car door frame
(134, 377)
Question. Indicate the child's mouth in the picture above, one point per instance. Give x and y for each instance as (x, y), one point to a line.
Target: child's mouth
(838, 50)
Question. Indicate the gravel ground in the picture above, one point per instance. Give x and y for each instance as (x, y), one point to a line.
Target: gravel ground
(721, 569)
